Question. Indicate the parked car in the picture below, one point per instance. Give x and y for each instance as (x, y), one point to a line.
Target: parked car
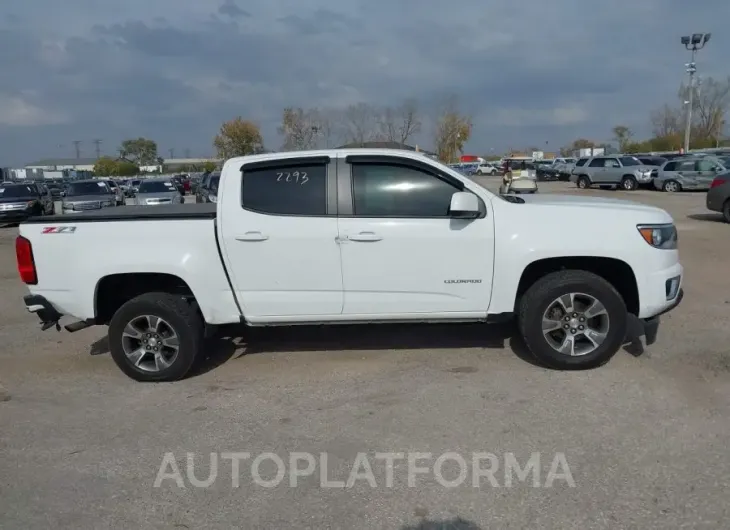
(690, 173)
(84, 195)
(154, 192)
(625, 172)
(56, 189)
(718, 196)
(280, 248)
(117, 190)
(20, 201)
(208, 189)
(486, 168)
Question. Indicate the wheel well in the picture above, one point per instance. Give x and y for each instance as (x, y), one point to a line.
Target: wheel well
(115, 290)
(629, 177)
(616, 272)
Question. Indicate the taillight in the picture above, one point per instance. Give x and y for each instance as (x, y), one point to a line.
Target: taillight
(718, 182)
(26, 263)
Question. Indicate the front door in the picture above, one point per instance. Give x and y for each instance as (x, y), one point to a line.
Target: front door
(402, 255)
(279, 240)
(612, 171)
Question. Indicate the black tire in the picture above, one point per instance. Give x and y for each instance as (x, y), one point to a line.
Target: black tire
(629, 183)
(183, 318)
(540, 296)
(726, 211)
(583, 182)
(668, 184)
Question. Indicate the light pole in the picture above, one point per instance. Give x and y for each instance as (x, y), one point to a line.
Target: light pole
(693, 43)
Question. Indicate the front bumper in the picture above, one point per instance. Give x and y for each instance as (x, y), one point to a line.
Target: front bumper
(646, 327)
(715, 199)
(14, 215)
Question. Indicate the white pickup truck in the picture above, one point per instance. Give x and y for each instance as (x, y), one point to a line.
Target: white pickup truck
(353, 236)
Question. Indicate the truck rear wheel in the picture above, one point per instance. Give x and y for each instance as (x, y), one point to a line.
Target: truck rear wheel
(155, 337)
(572, 320)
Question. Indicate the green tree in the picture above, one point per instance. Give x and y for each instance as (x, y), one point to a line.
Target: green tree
(453, 130)
(140, 151)
(209, 166)
(622, 135)
(105, 167)
(126, 168)
(238, 137)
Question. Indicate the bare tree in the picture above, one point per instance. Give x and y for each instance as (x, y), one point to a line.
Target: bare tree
(398, 124)
(360, 123)
(453, 129)
(299, 128)
(666, 121)
(711, 103)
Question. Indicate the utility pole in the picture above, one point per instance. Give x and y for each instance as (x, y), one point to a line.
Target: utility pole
(187, 153)
(77, 147)
(172, 153)
(97, 147)
(693, 43)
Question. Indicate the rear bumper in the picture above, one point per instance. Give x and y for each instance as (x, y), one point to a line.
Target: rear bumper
(47, 314)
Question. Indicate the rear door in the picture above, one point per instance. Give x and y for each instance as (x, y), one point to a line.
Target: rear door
(402, 254)
(705, 172)
(596, 170)
(278, 226)
(687, 174)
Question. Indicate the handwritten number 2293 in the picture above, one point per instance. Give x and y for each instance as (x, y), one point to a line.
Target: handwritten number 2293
(298, 177)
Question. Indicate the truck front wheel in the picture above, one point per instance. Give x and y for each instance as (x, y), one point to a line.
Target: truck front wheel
(572, 319)
(155, 337)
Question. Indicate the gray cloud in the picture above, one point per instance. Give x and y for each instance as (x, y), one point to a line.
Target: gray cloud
(231, 9)
(543, 72)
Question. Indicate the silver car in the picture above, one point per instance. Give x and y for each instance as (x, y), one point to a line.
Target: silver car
(158, 191)
(623, 171)
(693, 173)
(84, 195)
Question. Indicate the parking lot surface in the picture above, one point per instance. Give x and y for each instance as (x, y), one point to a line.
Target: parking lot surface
(645, 437)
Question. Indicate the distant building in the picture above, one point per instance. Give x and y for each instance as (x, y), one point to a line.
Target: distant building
(59, 164)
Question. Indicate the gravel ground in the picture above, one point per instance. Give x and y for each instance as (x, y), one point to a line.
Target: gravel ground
(644, 438)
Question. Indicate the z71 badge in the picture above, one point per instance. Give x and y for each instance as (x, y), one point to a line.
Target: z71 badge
(58, 230)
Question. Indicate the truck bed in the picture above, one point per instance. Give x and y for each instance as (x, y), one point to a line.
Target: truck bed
(134, 213)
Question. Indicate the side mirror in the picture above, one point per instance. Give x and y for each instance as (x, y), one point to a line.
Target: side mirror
(464, 205)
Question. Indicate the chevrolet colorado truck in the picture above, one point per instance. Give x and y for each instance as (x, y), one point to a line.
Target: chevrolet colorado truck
(352, 236)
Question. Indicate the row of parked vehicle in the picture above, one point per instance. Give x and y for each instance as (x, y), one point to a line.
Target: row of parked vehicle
(669, 173)
(23, 199)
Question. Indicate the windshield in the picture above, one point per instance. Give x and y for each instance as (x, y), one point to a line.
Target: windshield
(214, 183)
(630, 161)
(156, 187)
(87, 188)
(111, 183)
(16, 191)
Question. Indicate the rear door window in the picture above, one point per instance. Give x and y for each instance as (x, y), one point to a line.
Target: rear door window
(286, 190)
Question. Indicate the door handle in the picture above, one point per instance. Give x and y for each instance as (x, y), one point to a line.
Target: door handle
(252, 236)
(365, 236)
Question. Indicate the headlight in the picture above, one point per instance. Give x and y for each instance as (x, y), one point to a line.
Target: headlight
(212, 198)
(67, 206)
(659, 236)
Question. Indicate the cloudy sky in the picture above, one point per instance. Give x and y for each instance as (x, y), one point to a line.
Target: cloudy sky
(172, 70)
